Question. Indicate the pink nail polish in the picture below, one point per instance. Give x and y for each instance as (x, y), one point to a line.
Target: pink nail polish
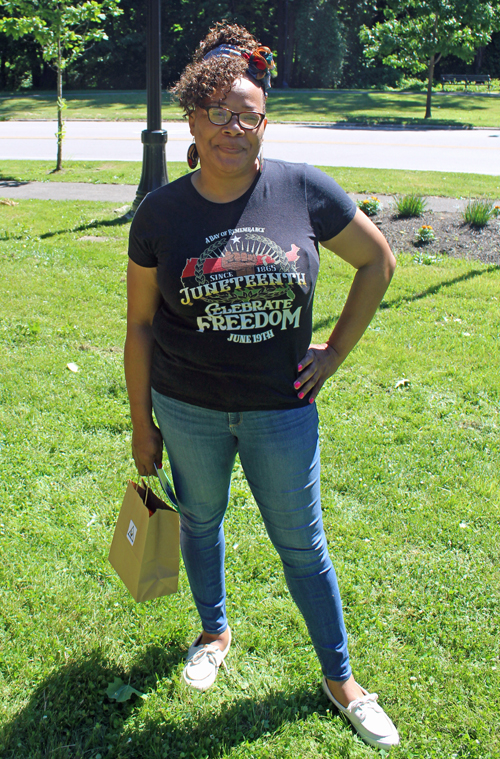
(300, 367)
(301, 395)
(311, 400)
(296, 385)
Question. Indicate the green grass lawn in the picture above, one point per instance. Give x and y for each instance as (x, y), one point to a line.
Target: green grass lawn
(411, 492)
(370, 107)
(383, 181)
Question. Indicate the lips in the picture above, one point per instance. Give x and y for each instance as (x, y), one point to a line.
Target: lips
(230, 149)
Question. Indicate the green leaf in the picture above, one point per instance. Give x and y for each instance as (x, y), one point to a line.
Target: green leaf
(121, 692)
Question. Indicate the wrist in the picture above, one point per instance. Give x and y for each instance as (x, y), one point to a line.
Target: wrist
(142, 423)
(334, 353)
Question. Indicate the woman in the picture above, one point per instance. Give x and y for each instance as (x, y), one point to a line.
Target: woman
(221, 276)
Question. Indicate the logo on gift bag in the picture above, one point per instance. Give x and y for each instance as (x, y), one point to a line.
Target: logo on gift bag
(131, 533)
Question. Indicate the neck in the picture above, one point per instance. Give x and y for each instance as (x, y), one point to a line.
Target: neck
(223, 189)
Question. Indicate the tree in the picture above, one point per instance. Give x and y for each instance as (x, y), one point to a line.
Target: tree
(63, 29)
(319, 47)
(417, 33)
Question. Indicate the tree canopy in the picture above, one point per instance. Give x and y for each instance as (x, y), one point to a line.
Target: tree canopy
(63, 29)
(316, 42)
(416, 34)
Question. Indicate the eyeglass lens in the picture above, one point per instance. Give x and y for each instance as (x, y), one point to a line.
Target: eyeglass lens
(222, 116)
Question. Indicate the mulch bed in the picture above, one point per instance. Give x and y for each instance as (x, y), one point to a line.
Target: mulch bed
(453, 237)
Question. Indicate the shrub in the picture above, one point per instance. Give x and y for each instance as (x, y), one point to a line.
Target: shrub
(426, 259)
(425, 235)
(410, 205)
(370, 206)
(411, 84)
(478, 213)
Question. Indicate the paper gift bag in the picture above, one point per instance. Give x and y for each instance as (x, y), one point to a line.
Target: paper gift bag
(145, 546)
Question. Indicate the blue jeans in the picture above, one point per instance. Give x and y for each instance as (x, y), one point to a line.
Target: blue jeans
(279, 453)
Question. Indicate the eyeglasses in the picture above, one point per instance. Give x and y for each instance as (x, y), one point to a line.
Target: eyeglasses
(222, 116)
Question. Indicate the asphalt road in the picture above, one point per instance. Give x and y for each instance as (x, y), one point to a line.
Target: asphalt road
(456, 150)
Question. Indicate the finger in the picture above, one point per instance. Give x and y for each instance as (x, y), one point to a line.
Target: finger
(143, 465)
(306, 360)
(310, 379)
(309, 371)
(308, 386)
(304, 377)
(315, 391)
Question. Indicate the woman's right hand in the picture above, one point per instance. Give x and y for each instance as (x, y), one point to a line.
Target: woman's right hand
(147, 448)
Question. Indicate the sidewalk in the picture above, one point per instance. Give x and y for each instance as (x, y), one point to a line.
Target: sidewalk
(116, 193)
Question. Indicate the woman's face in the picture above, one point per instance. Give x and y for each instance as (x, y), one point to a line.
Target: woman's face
(229, 149)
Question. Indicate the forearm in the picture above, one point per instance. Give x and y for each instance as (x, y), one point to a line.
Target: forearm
(367, 290)
(138, 357)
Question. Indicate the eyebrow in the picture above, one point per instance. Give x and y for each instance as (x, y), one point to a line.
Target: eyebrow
(218, 105)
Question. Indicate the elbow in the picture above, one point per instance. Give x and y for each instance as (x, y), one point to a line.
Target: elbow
(390, 263)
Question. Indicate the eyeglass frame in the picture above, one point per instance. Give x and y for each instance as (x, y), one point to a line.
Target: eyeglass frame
(234, 113)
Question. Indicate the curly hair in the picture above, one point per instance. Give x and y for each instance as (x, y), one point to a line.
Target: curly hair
(201, 78)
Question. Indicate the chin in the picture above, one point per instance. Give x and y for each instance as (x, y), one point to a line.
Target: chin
(234, 164)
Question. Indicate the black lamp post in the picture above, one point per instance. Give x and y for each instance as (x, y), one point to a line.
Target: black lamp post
(154, 138)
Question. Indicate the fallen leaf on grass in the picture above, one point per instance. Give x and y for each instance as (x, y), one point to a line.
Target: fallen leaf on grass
(121, 692)
(402, 383)
(73, 367)
(7, 202)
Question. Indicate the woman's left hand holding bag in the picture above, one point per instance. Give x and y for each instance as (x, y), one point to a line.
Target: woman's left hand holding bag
(147, 448)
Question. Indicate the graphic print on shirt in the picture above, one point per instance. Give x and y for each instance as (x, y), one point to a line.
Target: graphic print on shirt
(247, 282)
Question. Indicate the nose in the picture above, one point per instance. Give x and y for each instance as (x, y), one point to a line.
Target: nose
(233, 127)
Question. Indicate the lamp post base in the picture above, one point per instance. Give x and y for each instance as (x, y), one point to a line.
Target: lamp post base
(154, 165)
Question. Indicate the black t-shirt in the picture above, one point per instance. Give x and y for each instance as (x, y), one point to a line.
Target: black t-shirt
(237, 283)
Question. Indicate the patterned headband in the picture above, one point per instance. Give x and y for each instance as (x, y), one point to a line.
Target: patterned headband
(260, 62)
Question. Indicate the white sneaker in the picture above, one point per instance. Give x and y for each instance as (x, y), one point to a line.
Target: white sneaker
(203, 662)
(368, 719)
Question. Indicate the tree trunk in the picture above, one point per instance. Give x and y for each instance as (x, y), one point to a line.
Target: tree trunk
(281, 43)
(289, 44)
(60, 106)
(478, 60)
(430, 75)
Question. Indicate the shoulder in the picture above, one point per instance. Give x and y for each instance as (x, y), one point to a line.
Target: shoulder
(168, 193)
(276, 169)
(161, 206)
(303, 174)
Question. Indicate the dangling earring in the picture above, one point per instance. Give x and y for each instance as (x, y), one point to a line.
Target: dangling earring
(192, 156)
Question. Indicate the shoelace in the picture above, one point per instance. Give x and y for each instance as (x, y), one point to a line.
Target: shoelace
(212, 653)
(360, 705)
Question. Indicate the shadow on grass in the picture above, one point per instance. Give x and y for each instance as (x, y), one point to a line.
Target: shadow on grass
(69, 714)
(351, 105)
(432, 290)
(382, 124)
(12, 103)
(12, 182)
(119, 221)
(371, 107)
